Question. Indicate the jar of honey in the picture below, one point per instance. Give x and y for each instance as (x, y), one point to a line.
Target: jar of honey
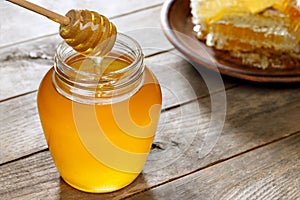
(100, 115)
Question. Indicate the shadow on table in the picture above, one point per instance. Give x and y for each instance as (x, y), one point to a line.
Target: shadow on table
(68, 192)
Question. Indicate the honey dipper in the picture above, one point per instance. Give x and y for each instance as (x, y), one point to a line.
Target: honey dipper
(87, 32)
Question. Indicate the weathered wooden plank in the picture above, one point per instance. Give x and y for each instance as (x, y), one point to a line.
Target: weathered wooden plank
(22, 66)
(184, 143)
(20, 129)
(146, 30)
(269, 172)
(24, 25)
(248, 124)
(181, 83)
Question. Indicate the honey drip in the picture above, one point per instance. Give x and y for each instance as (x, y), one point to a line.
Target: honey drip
(89, 33)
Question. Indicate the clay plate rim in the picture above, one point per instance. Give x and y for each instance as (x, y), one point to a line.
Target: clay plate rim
(177, 26)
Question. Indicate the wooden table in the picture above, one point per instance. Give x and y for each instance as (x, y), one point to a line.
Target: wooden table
(231, 140)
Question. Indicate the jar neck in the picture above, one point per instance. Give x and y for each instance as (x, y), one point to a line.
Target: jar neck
(94, 80)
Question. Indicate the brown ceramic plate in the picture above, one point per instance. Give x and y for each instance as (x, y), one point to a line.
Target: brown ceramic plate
(177, 26)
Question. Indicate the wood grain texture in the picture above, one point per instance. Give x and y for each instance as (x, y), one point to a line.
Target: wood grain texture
(146, 30)
(22, 66)
(269, 172)
(180, 144)
(21, 133)
(24, 25)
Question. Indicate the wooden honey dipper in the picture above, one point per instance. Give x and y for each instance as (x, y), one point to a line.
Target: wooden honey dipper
(87, 32)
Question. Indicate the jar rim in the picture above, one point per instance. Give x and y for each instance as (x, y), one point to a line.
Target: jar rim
(112, 86)
(136, 48)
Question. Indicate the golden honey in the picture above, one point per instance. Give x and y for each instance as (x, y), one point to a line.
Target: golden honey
(100, 123)
(89, 33)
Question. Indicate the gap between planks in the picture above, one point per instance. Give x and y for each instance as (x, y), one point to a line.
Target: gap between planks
(17, 96)
(136, 11)
(25, 156)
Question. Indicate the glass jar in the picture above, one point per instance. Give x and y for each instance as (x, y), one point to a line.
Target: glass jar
(99, 122)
